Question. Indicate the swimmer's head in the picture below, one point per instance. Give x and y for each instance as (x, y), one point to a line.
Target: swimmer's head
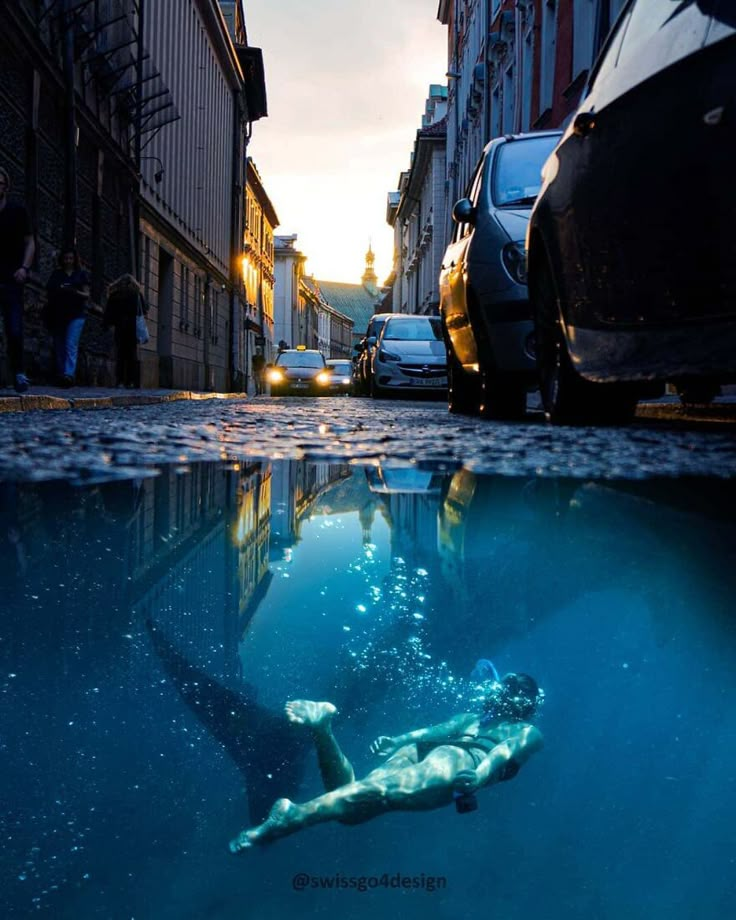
(515, 696)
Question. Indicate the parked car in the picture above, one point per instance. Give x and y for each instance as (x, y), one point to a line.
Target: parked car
(632, 251)
(366, 348)
(410, 356)
(299, 371)
(484, 301)
(341, 376)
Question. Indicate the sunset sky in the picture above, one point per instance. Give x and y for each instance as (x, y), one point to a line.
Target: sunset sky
(346, 84)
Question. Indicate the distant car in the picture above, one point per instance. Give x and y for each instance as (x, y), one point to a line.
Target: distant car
(410, 356)
(367, 346)
(341, 376)
(632, 250)
(300, 372)
(484, 300)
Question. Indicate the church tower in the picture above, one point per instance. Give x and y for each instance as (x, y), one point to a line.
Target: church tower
(370, 278)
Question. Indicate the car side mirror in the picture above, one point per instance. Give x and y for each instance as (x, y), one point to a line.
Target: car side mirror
(464, 212)
(371, 341)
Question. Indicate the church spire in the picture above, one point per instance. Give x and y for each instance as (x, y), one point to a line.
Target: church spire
(370, 278)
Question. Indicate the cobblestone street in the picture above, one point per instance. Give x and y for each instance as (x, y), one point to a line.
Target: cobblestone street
(84, 445)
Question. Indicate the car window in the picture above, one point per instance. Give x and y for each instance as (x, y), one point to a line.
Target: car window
(649, 18)
(421, 329)
(517, 171)
(300, 359)
(652, 35)
(341, 367)
(606, 62)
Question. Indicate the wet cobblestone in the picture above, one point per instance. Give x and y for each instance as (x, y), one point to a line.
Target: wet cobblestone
(126, 441)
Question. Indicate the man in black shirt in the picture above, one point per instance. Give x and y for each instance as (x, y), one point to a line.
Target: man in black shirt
(17, 248)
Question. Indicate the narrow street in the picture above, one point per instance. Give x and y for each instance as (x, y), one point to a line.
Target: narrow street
(663, 441)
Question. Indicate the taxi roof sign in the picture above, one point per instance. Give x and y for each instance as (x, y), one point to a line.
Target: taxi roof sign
(301, 347)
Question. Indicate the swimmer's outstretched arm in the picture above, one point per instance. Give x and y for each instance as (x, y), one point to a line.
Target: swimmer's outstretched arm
(442, 732)
(509, 754)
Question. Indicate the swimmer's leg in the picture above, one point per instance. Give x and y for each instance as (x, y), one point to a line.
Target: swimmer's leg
(334, 766)
(418, 787)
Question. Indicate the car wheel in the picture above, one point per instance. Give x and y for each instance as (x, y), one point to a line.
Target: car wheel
(568, 398)
(463, 391)
(501, 395)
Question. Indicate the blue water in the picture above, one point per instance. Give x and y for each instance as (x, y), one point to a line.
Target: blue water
(152, 630)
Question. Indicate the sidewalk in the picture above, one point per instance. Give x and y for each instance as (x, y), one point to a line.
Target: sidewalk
(50, 397)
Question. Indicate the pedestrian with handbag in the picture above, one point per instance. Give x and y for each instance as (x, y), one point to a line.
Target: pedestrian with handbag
(65, 312)
(126, 311)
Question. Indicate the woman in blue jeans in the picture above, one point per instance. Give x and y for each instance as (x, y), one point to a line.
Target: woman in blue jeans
(66, 309)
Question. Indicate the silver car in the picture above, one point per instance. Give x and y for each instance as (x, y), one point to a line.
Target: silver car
(410, 356)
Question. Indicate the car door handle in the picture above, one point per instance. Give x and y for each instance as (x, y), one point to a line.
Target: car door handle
(583, 124)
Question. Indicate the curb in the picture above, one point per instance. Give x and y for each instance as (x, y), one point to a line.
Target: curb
(45, 401)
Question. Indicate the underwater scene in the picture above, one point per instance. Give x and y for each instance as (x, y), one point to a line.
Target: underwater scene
(572, 642)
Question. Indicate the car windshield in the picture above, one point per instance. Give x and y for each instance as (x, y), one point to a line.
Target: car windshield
(517, 173)
(421, 329)
(300, 359)
(340, 367)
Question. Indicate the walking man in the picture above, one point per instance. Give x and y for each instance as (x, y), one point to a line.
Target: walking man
(17, 248)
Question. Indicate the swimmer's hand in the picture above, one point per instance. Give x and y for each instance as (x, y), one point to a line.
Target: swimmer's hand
(383, 746)
(466, 781)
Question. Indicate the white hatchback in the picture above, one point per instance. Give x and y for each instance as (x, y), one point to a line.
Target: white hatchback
(410, 356)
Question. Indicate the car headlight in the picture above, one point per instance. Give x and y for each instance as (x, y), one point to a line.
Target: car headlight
(346, 380)
(323, 377)
(275, 376)
(388, 355)
(514, 260)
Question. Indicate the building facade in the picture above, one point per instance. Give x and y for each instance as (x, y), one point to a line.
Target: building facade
(513, 66)
(191, 199)
(258, 268)
(417, 213)
(68, 88)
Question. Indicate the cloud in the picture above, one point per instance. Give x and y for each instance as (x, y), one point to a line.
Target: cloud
(346, 84)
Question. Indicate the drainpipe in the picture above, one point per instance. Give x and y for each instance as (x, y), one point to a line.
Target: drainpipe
(70, 167)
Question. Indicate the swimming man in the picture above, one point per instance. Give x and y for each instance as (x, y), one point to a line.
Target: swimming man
(424, 769)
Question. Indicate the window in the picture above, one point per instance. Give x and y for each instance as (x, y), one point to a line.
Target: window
(517, 170)
(184, 316)
(197, 318)
(412, 330)
(549, 44)
(509, 101)
(583, 36)
(496, 111)
(527, 73)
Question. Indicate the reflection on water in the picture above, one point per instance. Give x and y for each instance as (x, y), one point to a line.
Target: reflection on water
(152, 630)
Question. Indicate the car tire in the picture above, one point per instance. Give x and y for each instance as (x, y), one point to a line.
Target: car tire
(502, 396)
(463, 391)
(567, 397)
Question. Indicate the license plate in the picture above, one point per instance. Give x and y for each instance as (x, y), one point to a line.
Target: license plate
(432, 382)
(300, 386)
